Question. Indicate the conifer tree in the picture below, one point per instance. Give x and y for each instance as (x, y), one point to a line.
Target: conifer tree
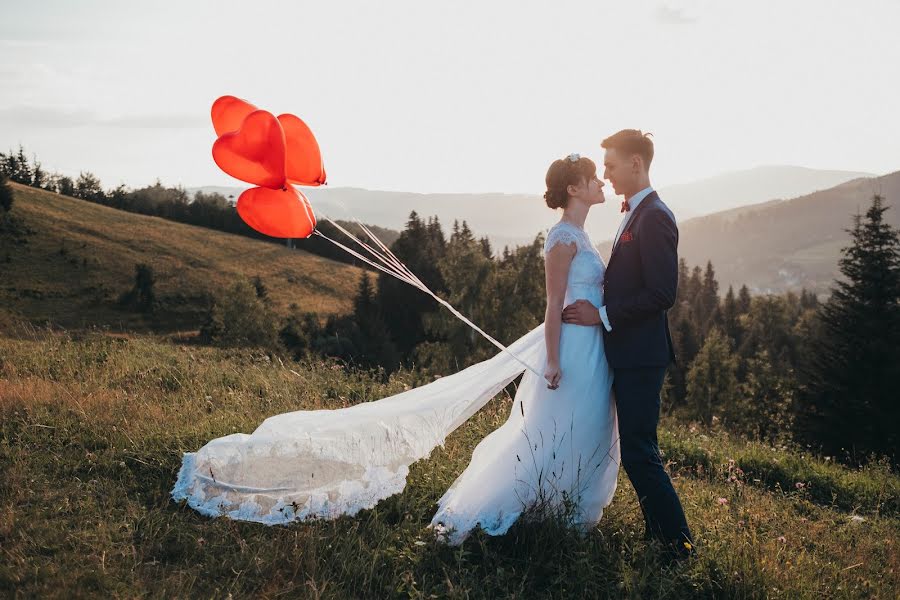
(421, 247)
(712, 380)
(709, 293)
(730, 322)
(853, 378)
(6, 195)
(743, 303)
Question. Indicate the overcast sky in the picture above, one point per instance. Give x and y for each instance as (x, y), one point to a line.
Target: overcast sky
(445, 96)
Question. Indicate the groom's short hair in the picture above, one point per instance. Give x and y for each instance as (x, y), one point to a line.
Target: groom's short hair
(631, 141)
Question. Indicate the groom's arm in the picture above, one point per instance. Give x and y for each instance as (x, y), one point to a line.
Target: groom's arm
(659, 270)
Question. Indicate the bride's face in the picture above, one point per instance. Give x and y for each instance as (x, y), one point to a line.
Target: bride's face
(589, 191)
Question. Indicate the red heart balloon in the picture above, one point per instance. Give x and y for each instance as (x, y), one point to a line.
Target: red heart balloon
(303, 160)
(228, 113)
(278, 213)
(255, 152)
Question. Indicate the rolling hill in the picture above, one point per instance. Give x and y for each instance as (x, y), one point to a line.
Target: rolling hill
(69, 260)
(515, 219)
(784, 245)
(751, 186)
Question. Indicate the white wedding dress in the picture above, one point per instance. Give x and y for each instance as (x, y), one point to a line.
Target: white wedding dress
(558, 450)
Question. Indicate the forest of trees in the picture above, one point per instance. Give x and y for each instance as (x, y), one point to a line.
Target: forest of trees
(212, 211)
(787, 369)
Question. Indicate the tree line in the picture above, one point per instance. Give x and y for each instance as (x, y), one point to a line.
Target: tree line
(210, 210)
(787, 368)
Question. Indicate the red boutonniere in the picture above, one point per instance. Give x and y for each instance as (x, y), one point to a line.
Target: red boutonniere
(627, 236)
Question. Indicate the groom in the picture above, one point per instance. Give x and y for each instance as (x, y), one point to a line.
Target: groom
(639, 286)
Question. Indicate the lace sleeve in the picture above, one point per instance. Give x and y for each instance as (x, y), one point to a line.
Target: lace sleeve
(559, 234)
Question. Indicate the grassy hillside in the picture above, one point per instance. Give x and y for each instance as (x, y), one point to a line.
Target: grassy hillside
(91, 435)
(68, 261)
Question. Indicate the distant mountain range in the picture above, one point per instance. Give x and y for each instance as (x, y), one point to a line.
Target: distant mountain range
(752, 186)
(514, 219)
(770, 243)
(784, 244)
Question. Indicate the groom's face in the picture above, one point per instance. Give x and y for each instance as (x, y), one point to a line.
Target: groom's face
(617, 169)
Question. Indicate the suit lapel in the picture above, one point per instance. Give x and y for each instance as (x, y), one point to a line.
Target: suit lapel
(631, 221)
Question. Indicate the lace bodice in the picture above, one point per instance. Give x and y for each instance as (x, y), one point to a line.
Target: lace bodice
(586, 272)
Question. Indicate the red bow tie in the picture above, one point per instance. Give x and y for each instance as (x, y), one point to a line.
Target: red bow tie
(625, 206)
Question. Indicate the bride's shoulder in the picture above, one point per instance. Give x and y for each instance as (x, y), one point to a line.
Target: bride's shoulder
(562, 233)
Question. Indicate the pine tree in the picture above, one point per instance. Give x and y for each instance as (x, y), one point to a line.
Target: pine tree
(852, 381)
(6, 195)
(712, 380)
(15, 166)
(38, 174)
(682, 302)
(730, 322)
(709, 294)
(364, 307)
(87, 187)
(743, 303)
(764, 409)
(421, 247)
(66, 186)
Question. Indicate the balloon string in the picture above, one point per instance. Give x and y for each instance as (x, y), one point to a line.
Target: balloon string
(374, 238)
(394, 266)
(363, 258)
(389, 260)
(381, 244)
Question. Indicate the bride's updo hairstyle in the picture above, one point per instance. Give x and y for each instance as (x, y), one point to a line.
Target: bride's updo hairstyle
(571, 170)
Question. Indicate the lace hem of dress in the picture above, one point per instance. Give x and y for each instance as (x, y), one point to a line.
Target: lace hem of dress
(351, 497)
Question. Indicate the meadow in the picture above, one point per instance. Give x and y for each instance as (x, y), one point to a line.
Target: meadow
(98, 404)
(93, 428)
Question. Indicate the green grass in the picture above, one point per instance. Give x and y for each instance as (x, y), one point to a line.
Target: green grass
(92, 428)
(69, 260)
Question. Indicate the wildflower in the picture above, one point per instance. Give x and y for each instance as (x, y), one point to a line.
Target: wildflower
(799, 485)
(857, 519)
(688, 546)
(782, 539)
(722, 501)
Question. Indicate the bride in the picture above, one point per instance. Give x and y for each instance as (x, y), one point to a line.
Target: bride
(558, 453)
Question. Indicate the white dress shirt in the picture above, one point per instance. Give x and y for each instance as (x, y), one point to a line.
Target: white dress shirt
(633, 203)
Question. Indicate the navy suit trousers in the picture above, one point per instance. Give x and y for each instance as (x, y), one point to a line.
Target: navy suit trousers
(637, 403)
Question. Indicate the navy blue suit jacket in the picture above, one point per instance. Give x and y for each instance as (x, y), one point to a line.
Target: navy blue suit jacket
(639, 287)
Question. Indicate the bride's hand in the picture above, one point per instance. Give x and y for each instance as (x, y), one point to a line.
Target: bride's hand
(552, 374)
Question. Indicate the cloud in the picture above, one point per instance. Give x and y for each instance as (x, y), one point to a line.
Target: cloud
(34, 116)
(157, 121)
(59, 117)
(668, 15)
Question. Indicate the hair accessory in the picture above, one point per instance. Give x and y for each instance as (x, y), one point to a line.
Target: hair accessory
(574, 157)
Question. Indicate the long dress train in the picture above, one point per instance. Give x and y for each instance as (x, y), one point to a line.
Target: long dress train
(558, 449)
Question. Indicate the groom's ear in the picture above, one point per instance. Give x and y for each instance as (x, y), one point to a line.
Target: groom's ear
(637, 163)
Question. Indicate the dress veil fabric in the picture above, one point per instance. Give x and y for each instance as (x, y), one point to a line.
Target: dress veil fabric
(558, 449)
(328, 463)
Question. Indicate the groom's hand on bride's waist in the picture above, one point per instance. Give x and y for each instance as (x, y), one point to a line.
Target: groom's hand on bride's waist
(581, 312)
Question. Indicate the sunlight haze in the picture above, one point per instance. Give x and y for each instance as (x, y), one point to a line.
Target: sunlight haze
(453, 97)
